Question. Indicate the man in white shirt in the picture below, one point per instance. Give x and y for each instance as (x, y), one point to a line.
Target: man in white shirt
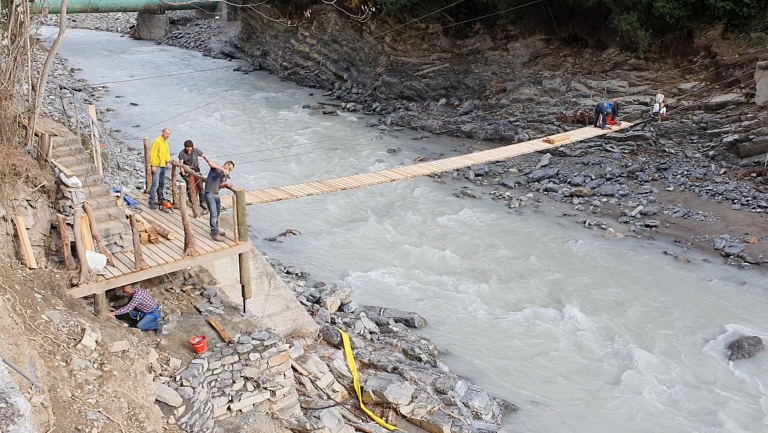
(658, 111)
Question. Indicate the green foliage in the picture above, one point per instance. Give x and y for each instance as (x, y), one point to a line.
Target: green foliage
(637, 22)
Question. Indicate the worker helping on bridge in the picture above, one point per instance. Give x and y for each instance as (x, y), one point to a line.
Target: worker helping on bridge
(607, 113)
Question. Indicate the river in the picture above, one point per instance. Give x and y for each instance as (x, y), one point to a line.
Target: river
(585, 334)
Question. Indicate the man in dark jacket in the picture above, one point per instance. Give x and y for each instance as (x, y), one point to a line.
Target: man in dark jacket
(190, 157)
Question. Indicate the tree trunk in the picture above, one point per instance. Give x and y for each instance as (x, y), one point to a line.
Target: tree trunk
(96, 236)
(189, 236)
(86, 273)
(174, 193)
(194, 197)
(147, 166)
(69, 262)
(138, 256)
(45, 71)
(162, 231)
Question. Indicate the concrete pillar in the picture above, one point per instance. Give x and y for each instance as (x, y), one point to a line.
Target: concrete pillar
(151, 27)
(229, 11)
(761, 84)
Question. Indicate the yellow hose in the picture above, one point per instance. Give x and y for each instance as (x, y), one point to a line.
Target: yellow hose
(353, 369)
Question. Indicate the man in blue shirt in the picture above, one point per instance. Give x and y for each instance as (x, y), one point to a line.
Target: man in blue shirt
(217, 179)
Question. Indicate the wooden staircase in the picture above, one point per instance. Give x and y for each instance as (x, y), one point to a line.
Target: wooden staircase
(68, 150)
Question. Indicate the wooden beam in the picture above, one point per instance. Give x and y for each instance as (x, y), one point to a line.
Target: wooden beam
(100, 304)
(242, 214)
(244, 259)
(162, 231)
(215, 324)
(189, 236)
(45, 148)
(147, 168)
(66, 247)
(185, 169)
(133, 277)
(67, 172)
(95, 140)
(86, 273)
(194, 198)
(95, 233)
(557, 139)
(85, 228)
(25, 247)
(138, 257)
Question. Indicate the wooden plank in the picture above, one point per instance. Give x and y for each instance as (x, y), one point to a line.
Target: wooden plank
(215, 324)
(201, 229)
(103, 286)
(85, 229)
(123, 263)
(67, 172)
(268, 195)
(27, 255)
(557, 139)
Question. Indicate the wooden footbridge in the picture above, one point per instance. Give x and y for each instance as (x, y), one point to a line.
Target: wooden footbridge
(187, 239)
(307, 189)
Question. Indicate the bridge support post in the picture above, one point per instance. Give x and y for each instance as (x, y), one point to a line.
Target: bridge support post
(244, 259)
(152, 26)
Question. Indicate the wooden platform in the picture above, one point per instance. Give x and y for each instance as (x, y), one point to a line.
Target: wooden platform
(307, 189)
(164, 257)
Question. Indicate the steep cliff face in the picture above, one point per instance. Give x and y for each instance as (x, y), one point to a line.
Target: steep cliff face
(417, 62)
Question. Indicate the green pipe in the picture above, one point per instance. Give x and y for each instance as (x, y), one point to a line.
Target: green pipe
(105, 6)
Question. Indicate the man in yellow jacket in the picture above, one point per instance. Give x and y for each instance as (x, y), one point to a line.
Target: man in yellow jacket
(159, 158)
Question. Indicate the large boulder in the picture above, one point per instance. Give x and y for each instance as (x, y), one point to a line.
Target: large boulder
(761, 80)
(387, 388)
(745, 347)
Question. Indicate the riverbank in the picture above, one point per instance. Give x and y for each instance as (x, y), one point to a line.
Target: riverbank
(675, 182)
(404, 377)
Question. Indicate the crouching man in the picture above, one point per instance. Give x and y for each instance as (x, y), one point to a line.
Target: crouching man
(141, 307)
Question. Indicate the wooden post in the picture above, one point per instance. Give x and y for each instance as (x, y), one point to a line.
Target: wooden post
(95, 141)
(25, 247)
(45, 147)
(189, 236)
(95, 233)
(85, 228)
(193, 197)
(236, 228)
(86, 273)
(174, 193)
(244, 259)
(147, 168)
(69, 262)
(138, 256)
(100, 304)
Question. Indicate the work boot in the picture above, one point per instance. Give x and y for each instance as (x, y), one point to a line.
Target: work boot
(218, 238)
(159, 329)
(153, 206)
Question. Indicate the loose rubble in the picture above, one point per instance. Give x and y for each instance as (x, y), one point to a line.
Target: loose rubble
(403, 371)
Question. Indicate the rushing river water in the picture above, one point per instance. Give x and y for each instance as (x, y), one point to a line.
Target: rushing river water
(584, 334)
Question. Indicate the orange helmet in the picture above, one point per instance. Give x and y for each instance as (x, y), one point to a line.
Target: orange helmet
(167, 205)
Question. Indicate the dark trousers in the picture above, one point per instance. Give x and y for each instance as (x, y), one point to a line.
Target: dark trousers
(654, 118)
(601, 116)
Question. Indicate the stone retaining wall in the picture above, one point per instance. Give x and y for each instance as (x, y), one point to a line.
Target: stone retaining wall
(231, 379)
